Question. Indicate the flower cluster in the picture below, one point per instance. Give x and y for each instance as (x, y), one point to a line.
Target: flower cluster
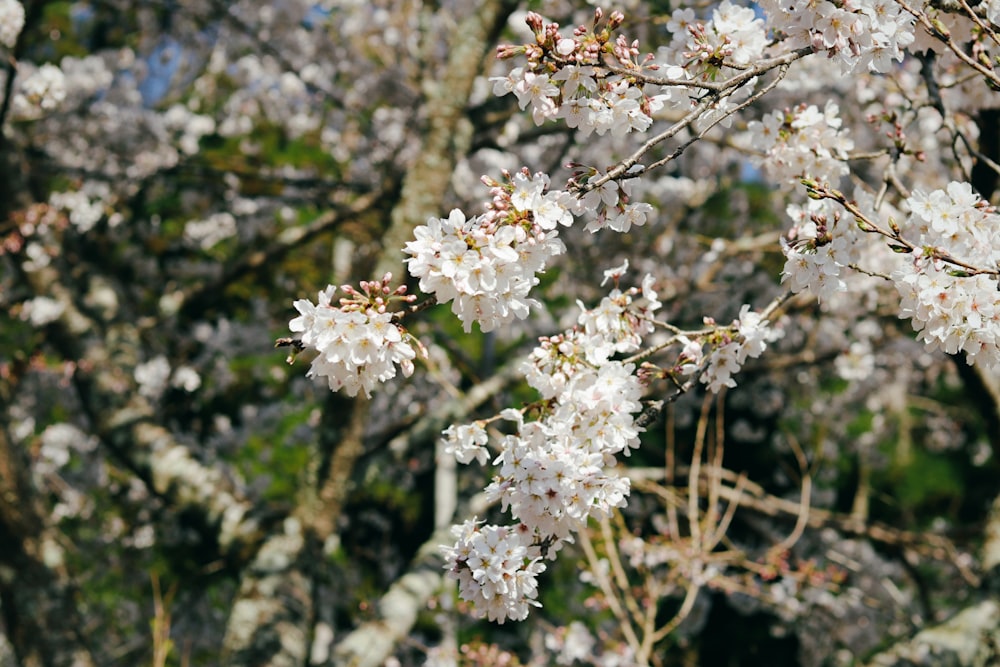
(556, 461)
(11, 22)
(212, 230)
(189, 126)
(42, 310)
(819, 248)
(153, 376)
(951, 308)
(85, 207)
(496, 568)
(551, 483)
(608, 203)
(553, 474)
(487, 265)
(41, 91)
(617, 325)
(753, 333)
(467, 442)
(861, 34)
(565, 78)
(802, 142)
(556, 472)
(735, 35)
(359, 342)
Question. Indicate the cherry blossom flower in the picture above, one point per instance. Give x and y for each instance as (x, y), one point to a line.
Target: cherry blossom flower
(753, 333)
(487, 265)
(359, 343)
(949, 308)
(11, 22)
(802, 142)
(494, 570)
(42, 91)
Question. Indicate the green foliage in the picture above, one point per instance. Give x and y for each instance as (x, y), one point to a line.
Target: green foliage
(276, 150)
(276, 457)
(55, 36)
(925, 484)
(719, 215)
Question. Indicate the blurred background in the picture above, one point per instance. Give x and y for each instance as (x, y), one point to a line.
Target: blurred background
(172, 492)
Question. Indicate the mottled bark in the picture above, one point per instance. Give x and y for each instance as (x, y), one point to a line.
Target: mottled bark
(38, 603)
(971, 638)
(371, 643)
(448, 134)
(106, 353)
(272, 617)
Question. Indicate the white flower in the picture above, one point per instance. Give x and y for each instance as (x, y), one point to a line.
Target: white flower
(576, 80)
(152, 377)
(802, 142)
(993, 12)
(58, 442)
(564, 46)
(756, 333)
(553, 475)
(494, 570)
(691, 356)
(527, 190)
(861, 35)
(186, 378)
(722, 365)
(649, 294)
(11, 22)
(815, 264)
(753, 335)
(549, 210)
(207, 233)
(42, 310)
(632, 214)
(485, 270)
(857, 362)
(466, 443)
(85, 207)
(952, 312)
(43, 90)
(534, 89)
(615, 273)
(571, 644)
(358, 342)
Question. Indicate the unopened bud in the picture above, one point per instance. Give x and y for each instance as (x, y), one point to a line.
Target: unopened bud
(505, 51)
(536, 23)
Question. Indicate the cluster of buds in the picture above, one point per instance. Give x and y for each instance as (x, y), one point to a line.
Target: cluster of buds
(552, 50)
